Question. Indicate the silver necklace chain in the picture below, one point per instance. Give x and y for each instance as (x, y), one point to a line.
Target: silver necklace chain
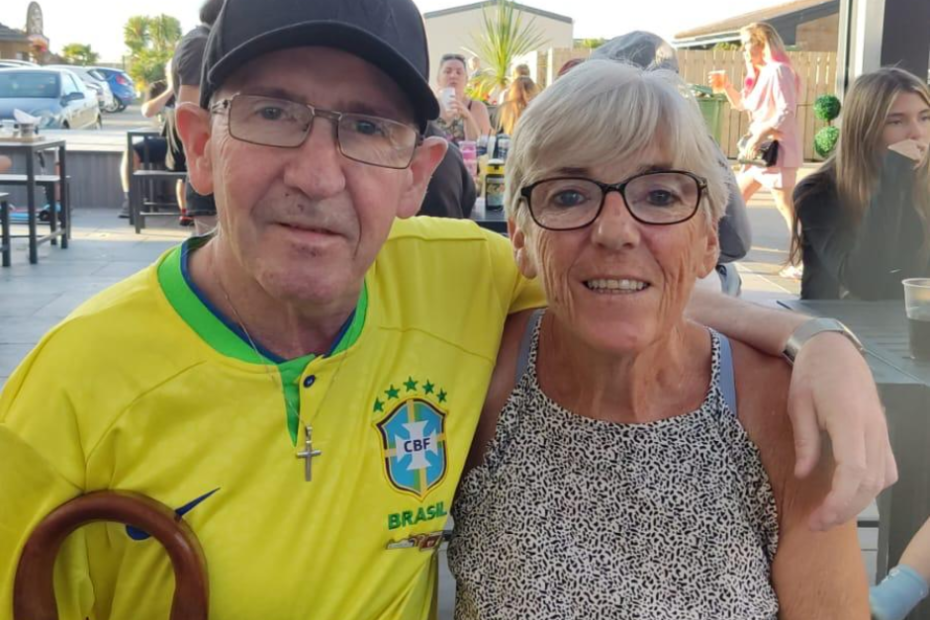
(309, 452)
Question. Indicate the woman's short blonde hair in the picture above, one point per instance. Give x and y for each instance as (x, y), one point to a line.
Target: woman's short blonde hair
(605, 111)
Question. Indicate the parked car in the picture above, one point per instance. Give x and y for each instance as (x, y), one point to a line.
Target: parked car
(59, 98)
(94, 80)
(124, 89)
(10, 63)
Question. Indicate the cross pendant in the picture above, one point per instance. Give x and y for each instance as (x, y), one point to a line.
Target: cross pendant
(309, 453)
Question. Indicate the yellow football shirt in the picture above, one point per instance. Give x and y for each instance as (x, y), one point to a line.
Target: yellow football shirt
(146, 388)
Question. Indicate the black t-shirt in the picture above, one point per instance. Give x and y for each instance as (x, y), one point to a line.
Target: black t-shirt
(187, 63)
(451, 191)
(186, 67)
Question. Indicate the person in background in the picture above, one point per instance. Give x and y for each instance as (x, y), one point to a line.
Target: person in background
(569, 65)
(906, 584)
(521, 70)
(451, 191)
(863, 219)
(185, 68)
(474, 68)
(651, 52)
(518, 95)
(159, 100)
(461, 118)
(770, 95)
(5, 163)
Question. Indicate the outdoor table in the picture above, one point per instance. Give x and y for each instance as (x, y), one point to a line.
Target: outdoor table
(30, 180)
(495, 220)
(904, 387)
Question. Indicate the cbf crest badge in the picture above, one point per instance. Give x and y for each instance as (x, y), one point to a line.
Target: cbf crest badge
(413, 443)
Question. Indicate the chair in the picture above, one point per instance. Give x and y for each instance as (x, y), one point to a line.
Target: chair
(143, 201)
(47, 182)
(33, 587)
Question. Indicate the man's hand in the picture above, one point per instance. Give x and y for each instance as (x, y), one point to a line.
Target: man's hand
(832, 390)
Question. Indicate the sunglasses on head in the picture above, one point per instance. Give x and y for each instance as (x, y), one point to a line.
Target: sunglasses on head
(458, 57)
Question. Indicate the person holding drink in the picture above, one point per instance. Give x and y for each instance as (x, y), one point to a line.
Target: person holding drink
(461, 118)
(770, 96)
(862, 219)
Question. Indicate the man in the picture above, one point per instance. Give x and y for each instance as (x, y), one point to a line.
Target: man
(312, 325)
(185, 69)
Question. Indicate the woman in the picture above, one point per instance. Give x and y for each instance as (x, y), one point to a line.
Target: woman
(519, 94)
(863, 221)
(461, 118)
(621, 477)
(770, 95)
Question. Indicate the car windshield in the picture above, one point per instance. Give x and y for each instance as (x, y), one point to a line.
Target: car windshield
(28, 85)
(97, 74)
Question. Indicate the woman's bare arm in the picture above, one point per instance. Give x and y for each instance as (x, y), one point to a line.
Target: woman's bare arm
(815, 574)
(832, 392)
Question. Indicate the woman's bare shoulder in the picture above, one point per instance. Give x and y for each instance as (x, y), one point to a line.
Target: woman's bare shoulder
(762, 383)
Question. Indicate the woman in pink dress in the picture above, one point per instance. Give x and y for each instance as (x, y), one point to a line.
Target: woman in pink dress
(770, 95)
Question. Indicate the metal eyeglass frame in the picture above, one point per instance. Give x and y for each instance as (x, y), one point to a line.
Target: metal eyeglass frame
(225, 105)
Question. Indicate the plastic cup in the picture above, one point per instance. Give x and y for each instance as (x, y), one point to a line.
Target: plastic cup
(446, 96)
(917, 306)
(718, 80)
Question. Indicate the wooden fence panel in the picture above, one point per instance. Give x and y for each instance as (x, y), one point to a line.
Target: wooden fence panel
(817, 71)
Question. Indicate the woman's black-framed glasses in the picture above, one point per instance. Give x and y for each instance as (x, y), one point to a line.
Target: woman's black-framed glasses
(660, 198)
(270, 121)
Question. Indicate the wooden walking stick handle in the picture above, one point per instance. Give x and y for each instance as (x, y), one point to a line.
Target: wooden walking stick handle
(33, 589)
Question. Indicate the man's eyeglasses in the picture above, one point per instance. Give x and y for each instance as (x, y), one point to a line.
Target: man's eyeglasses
(278, 122)
(659, 198)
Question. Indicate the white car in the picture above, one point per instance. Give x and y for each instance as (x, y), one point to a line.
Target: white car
(10, 63)
(94, 80)
(58, 98)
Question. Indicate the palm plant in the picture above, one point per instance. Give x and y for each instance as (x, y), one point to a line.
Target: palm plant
(151, 42)
(504, 38)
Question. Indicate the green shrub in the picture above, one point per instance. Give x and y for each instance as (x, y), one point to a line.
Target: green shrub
(825, 141)
(827, 108)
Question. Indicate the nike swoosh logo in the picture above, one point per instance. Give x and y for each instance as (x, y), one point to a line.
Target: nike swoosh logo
(137, 534)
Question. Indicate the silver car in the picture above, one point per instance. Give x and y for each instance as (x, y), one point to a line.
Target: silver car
(94, 80)
(57, 97)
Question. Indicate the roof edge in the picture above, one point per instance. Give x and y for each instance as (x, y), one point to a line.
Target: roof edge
(520, 7)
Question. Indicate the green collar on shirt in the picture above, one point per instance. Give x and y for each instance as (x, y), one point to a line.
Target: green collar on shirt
(228, 339)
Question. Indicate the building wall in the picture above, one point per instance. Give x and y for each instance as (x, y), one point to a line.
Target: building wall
(819, 35)
(14, 50)
(455, 32)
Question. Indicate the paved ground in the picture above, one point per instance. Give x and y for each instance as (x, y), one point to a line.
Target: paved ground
(105, 250)
(130, 118)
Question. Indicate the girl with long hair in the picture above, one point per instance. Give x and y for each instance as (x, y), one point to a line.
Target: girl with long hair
(862, 222)
(519, 94)
(770, 95)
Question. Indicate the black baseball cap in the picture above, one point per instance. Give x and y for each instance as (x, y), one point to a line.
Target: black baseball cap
(389, 34)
